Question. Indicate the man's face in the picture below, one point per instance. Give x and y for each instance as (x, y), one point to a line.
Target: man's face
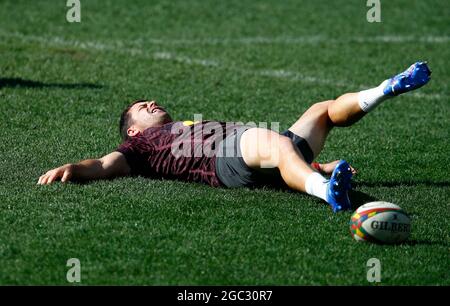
(147, 114)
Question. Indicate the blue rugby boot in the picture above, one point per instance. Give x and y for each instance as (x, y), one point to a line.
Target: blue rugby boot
(417, 75)
(338, 187)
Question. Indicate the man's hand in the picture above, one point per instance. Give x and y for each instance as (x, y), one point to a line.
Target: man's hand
(64, 173)
(329, 167)
(111, 165)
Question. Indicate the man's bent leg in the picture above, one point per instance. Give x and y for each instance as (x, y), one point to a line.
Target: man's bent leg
(265, 150)
(349, 108)
(315, 124)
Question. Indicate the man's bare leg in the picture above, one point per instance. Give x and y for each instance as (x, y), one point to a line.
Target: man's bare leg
(265, 149)
(315, 124)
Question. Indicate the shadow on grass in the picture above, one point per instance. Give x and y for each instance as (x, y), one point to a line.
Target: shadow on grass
(403, 184)
(424, 243)
(19, 82)
(358, 198)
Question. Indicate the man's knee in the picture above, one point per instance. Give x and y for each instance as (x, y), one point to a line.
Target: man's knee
(323, 104)
(321, 112)
(284, 150)
(260, 147)
(319, 107)
(284, 143)
(274, 150)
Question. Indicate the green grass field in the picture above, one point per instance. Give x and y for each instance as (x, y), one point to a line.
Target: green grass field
(63, 86)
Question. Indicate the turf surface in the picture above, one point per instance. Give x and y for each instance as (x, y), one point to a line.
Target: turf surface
(63, 86)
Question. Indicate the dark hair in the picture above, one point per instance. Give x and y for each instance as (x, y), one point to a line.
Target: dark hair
(126, 120)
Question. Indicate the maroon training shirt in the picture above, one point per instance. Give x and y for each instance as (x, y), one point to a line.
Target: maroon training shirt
(178, 150)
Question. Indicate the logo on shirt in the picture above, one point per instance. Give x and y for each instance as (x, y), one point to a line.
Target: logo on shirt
(189, 122)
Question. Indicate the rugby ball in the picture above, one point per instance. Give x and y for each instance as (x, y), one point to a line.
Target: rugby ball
(380, 222)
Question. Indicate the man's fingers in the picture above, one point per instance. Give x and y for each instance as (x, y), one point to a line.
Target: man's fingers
(52, 177)
(64, 173)
(66, 176)
(44, 179)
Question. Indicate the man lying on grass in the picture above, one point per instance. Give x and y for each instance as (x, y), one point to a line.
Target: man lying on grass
(235, 155)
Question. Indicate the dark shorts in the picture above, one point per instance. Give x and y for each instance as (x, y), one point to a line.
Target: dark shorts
(232, 171)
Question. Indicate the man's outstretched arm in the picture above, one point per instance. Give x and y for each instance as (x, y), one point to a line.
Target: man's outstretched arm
(111, 165)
